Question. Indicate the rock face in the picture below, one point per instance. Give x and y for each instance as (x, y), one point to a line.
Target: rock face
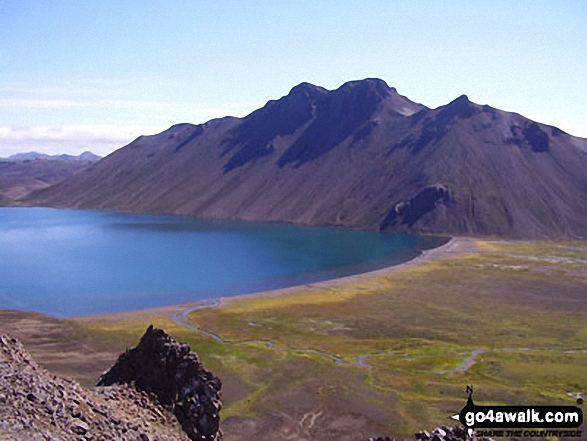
(360, 156)
(35, 405)
(160, 366)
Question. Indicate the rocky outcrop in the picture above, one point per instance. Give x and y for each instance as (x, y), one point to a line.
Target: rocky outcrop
(35, 405)
(160, 366)
(157, 391)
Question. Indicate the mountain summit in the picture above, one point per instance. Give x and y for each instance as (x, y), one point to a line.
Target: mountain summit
(360, 156)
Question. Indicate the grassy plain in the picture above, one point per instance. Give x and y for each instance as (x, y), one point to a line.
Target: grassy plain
(382, 354)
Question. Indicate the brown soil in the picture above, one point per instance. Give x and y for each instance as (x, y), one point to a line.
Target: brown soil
(58, 346)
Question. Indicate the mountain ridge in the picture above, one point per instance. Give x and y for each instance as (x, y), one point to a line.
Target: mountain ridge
(360, 156)
(33, 156)
(19, 177)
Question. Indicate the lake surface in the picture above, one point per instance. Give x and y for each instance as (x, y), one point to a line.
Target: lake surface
(69, 262)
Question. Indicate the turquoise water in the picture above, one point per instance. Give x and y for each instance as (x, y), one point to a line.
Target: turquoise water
(69, 262)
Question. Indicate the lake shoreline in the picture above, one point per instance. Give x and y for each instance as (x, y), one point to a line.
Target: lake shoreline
(82, 263)
(453, 247)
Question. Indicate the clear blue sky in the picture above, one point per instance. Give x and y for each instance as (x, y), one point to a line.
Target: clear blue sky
(78, 75)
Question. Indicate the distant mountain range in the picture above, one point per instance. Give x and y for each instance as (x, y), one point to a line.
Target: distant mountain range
(360, 156)
(31, 156)
(24, 172)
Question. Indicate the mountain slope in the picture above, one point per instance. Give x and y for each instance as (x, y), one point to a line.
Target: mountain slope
(359, 156)
(18, 178)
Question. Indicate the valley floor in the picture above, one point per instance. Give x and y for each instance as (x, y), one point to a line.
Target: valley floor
(380, 354)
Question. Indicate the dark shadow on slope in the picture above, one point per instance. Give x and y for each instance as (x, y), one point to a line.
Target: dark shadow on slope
(341, 114)
(530, 136)
(434, 127)
(278, 118)
(198, 130)
(407, 213)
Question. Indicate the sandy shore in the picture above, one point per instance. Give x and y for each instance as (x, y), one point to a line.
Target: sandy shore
(454, 247)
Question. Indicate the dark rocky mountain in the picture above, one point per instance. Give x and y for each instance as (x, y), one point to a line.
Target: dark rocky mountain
(31, 156)
(361, 156)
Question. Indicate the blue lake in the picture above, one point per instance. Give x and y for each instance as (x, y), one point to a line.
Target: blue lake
(69, 263)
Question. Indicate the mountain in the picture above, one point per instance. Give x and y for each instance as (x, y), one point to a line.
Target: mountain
(360, 156)
(31, 156)
(87, 156)
(18, 178)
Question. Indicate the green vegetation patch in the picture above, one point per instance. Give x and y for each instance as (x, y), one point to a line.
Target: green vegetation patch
(393, 351)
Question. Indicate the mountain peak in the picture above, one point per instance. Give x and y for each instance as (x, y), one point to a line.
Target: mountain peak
(353, 157)
(377, 91)
(88, 156)
(460, 107)
(372, 85)
(307, 89)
